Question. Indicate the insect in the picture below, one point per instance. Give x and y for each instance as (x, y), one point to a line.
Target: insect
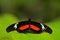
(29, 26)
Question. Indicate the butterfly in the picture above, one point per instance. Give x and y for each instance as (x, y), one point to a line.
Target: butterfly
(29, 26)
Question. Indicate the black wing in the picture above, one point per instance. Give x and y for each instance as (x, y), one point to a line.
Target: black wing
(49, 30)
(10, 28)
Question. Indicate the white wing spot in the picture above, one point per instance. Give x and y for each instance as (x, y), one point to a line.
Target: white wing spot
(43, 27)
(15, 26)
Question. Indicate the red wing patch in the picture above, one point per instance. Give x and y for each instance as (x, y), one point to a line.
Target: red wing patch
(24, 27)
(34, 27)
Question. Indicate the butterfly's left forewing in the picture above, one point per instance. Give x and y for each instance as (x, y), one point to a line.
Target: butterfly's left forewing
(10, 28)
(24, 27)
